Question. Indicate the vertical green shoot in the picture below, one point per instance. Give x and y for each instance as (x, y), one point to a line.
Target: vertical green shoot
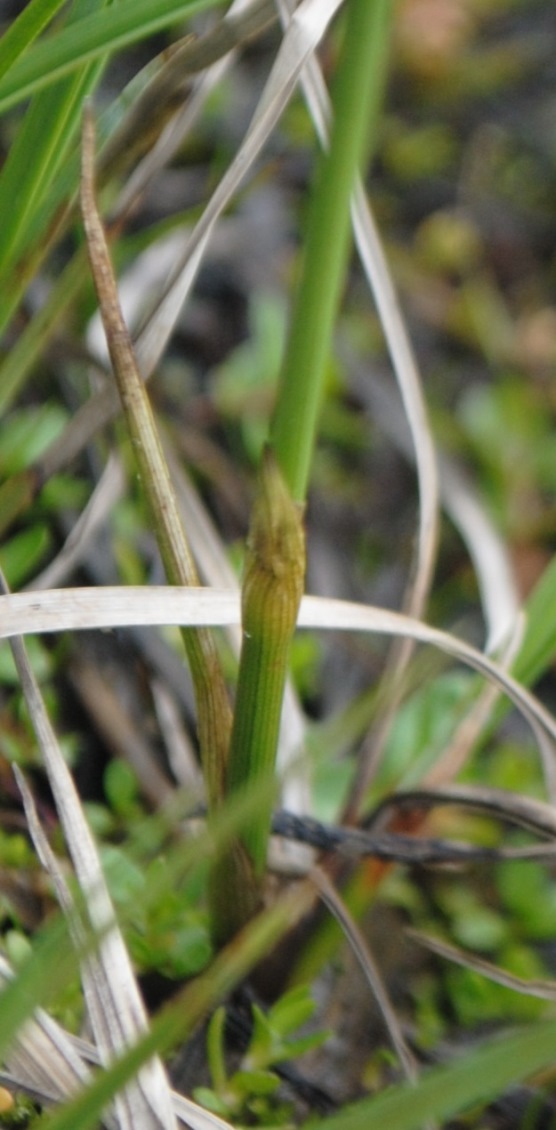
(271, 592)
(356, 102)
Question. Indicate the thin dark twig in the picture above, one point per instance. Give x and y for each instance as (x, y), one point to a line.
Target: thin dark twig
(392, 848)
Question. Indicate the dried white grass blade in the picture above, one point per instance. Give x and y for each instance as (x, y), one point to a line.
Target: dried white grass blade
(393, 326)
(60, 610)
(456, 754)
(151, 270)
(491, 561)
(107, 492)
(303, 35)
(546, 990)
(190, 1113)
(53, 1063)
(117, 1015)
(91, 970)
(70, 609)
(499, 595)
(353, 617)
(43, 1057)
(179, 126)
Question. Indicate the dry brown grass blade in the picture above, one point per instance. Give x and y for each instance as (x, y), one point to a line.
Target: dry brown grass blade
(533, 987)
(213, 707)
(213, 53)
(337, 907)
(513, 808)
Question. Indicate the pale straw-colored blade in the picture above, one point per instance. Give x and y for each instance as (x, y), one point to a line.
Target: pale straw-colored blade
(107, 492)
(53, 1064)
(115, 1007)
(303, 35)
(70, 609)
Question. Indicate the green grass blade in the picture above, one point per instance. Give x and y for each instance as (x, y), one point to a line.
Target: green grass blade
(91, 38)
(25, 29)
(477, 1077)
(45, 973)
(17, 364)
(40, 148)
(539, 645)
(356, 101)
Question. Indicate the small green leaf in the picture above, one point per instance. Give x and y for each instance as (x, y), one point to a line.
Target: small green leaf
(207, 1098)
(292, 1010)
(22, 555)
(256, 1082)
(215, 1049)
(262, 1039)
(25, 434)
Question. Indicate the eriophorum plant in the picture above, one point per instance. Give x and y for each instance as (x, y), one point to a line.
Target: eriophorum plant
(112, 480)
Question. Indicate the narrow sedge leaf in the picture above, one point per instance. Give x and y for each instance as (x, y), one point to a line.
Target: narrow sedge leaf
(38, 153)
(478, 1076)
(231, 892)
(33, 339)
(92, 38)
(25, 29)
(356, 99)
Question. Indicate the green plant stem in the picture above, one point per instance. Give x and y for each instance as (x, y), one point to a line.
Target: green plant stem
(271, 592)
(356, 101)
(276, 558)
(272, 589)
